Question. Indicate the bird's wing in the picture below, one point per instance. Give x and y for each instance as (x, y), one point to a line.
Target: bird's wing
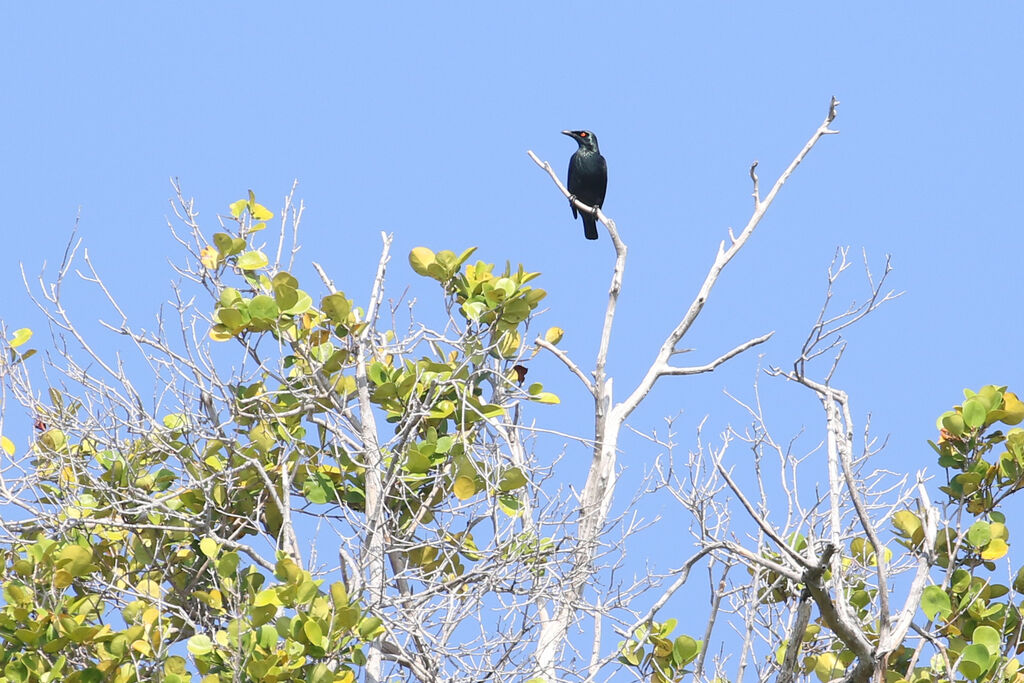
(569, 183)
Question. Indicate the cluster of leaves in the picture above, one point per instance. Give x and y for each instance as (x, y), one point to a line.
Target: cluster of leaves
(291, 631)
(656, 656)
(979, 626)
(58, 623)
(966, 444)
(498, 304)
(112, 598)
(154, 557)
(982, 450)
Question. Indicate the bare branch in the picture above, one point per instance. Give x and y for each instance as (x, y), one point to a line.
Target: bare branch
(562, 356)
(723, 257)
(708, 367)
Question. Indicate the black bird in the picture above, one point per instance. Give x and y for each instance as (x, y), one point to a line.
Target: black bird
(588, 177)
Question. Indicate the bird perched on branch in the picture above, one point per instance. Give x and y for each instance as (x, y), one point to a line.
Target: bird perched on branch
(588, 177)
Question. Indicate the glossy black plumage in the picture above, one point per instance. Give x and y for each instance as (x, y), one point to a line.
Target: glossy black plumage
(588, 177)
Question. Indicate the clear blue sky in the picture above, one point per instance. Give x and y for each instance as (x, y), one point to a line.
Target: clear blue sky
(415, 119)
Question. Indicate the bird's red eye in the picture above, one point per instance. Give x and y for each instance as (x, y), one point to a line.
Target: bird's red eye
(583, 134)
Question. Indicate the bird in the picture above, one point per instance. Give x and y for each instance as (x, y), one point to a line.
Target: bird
(587, 179)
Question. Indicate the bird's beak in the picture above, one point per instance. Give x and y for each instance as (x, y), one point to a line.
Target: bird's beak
(567, 132)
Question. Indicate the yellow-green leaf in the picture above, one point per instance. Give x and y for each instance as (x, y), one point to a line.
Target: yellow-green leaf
(221, 333)
(828, 667)
(420, 258)
(370, 627)
(996, 548)
(313, 632)
(464, 487)
(75, 559)
(20, 337)
(7, 445)
(935, 601)
(150, 588)
(989, 637)
(260, 213)
(336, 307)
(200, 645)
(511, 479)
(1012, 411)
(554, 335)
(209, 547)
(251, 260)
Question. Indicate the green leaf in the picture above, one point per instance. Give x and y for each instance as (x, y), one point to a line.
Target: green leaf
(303, 302)
(16, 671)
(473, 310)
(200, 645)
(979, 534)
(974, 661)
(321, 673)
(174, 421)
(506, 286)
(266, 597)
(336, 307)
(684, 650)
(238, 207)
(934, 601)
(516, 311)
(224, 243)
(989, 637)
(228, 564)
(952, 423)
(252, 260)
(510, 505)
(417, 463)
(231, 318)
(285, 296)
(534, 296)
(511, 479)
(230, 297)
(370, 628)
(974, 412)
(318, 488)
(263, 307)
(311, 629)
(554, 335)
(75, 559)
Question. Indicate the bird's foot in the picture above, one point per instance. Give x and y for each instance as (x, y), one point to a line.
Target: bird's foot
(572, 200)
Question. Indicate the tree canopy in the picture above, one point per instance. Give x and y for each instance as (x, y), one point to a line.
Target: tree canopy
(284, 483)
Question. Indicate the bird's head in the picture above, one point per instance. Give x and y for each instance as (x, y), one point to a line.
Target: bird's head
(584, 138)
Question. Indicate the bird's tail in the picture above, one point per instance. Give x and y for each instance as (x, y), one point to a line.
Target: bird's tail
(589, 227)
